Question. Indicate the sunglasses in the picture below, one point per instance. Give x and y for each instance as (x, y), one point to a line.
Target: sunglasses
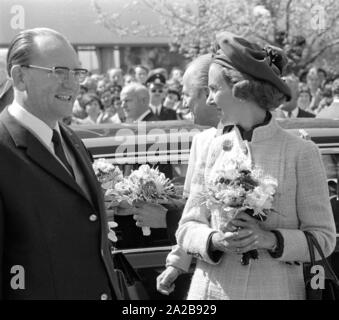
(157, 91)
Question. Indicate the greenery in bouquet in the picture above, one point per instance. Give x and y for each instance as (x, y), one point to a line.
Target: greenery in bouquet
(237, 187)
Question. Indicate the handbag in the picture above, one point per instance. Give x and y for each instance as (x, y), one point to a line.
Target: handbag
(128, 281)
(331, 282)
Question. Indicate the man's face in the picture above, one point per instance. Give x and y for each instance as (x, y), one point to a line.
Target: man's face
(46, 96)
(115, 76)
(140, 75)
(171, 100)
(130, 104)
(157, 94)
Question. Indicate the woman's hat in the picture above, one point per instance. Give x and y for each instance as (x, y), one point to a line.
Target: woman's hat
(265, 64)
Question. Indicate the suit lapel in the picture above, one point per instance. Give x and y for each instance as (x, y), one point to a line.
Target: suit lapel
(80, 155)
(38, 153)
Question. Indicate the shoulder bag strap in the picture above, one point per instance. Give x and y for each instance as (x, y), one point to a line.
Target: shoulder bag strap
(312, 242)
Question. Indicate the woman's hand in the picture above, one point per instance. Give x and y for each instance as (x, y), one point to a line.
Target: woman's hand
(150, 215)
(238, 242)
(165, 281)
(264, 239)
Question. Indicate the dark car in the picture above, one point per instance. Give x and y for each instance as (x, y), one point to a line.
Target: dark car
(169, 143)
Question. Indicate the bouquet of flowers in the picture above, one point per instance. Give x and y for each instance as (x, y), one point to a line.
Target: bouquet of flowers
(108, 175)
(145, 184)
(239, 187)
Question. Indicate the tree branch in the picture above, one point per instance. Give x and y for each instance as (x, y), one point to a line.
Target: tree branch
(319, 52)
(171, 15)
(288, 13)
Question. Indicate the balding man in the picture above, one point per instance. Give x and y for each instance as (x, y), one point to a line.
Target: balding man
(53, 228)
(134, 101)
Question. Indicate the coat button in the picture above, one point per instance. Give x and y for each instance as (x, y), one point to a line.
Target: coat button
(93, 217)
(104, 296)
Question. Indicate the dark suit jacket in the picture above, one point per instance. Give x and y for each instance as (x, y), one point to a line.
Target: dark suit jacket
(165, 114)
(305, 114)
(130, 236)
(45, 224)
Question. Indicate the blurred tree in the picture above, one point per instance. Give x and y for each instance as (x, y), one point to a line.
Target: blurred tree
(305, 29)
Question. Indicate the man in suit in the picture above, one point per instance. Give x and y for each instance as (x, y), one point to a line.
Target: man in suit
(134, 102)
(290, 108)
(156, 82)
(332, 112)
(53, 229)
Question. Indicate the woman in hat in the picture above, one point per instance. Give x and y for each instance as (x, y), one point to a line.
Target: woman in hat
(245, 84)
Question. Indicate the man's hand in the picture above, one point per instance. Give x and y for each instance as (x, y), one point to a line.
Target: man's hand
(165, 281)
(122, 208)
(150, 215)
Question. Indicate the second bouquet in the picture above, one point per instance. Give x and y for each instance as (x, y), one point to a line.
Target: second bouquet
(145, 184)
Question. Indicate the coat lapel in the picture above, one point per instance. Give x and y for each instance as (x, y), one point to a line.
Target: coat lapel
(41, 156)
(79, 153)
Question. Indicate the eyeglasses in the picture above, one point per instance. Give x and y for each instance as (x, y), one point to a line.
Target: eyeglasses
(157, 91)
(62, 73)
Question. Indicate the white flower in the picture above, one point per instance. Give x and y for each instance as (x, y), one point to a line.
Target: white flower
(269, 185)
(107, 174)
(259, 199)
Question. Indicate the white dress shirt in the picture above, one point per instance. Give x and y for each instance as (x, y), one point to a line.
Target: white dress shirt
(294, 113)
(156, 109)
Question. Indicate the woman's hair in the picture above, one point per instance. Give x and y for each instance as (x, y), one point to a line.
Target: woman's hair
(88, 98)
(245, 87)
(197, 71)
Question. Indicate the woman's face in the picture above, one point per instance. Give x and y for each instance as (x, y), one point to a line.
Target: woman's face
(101, 86)
(106, 99)
(313, 81)
(93, 108)
(220, 95)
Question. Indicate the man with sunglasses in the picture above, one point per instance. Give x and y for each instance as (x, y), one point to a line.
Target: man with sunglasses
(53, 229)
(156, 82)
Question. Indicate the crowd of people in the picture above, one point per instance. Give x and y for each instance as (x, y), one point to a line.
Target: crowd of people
(139, 95)
(105, 98)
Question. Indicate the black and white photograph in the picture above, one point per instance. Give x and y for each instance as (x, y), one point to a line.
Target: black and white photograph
(167, 155)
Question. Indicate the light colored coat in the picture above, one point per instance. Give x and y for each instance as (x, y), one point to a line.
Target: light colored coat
(178, 257)
(301, 201)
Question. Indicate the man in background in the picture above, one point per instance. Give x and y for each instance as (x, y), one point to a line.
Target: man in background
(332, 112)
(156, 82)
(290, 109)
(134, 101)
